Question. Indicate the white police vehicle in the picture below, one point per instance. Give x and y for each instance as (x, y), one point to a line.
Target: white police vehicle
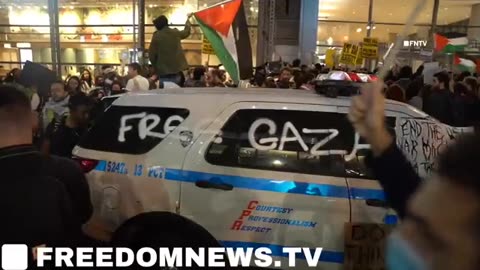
(255, 167)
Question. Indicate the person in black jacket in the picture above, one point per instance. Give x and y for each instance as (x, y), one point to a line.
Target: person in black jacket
(36, 209)
(63, 135)
(440, 215)
(439, 102)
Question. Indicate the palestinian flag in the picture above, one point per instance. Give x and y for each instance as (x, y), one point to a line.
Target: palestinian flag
(464, 64)
(225, 26)
(450, 43)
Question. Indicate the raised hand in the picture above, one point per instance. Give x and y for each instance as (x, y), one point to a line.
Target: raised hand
(367, 115)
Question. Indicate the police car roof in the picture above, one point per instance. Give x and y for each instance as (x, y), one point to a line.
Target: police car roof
(232, 95)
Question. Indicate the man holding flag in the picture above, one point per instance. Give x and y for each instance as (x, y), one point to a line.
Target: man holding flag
(166, 53)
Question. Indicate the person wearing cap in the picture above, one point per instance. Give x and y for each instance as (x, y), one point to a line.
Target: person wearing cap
(166, 53)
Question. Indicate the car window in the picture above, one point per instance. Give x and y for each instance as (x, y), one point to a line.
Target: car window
(132, 130)
(356, 167)
(292, 141)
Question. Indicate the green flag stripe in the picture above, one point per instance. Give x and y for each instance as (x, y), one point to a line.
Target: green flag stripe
(221, 51)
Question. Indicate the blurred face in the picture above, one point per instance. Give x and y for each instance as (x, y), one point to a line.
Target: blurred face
(86, 75)
(436, 83)
(116, 87)
(57, 90)
(285, 76)
(81, 115)
(442, 225)
(73, 84)
(210, 78)
(132, 72)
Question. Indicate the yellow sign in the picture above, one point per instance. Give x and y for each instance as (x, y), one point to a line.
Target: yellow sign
(330, 58)
(359, 60)
(370, 48)
(207, 47)
(349, 54)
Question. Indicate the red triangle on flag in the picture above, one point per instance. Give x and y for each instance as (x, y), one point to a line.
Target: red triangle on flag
(220, 17)
(440, 42)
(457, 60)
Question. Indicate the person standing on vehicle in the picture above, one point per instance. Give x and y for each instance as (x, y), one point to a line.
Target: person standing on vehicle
(439, 102)
(136, 81)
(36, 209)
(166, 52)
(440, 228)
(62, 136)
(57, 107)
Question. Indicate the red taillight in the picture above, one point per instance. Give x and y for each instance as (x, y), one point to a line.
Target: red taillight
(87, 165)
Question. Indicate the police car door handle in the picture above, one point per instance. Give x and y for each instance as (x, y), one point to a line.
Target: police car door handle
(376, 203)
(213, 185)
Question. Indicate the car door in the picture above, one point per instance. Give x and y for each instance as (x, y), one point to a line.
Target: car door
(367, 196)
(262, 174)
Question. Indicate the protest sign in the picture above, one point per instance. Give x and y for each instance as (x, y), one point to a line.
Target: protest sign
(370, 48)
(365, 246)
(349, 54)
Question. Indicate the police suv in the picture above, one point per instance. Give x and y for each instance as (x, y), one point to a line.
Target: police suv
(255, 167)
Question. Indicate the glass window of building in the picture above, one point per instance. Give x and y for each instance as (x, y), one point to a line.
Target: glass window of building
(97, 33)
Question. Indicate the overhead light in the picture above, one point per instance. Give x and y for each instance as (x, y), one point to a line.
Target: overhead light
(330, 41)
(368, 27)
(345, 38)
(7, 45)
(150, 6)
(72, 7)
(359, 30)
(374, 27)
(23, 45)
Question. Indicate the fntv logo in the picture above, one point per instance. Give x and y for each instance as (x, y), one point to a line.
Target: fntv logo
(415, 43)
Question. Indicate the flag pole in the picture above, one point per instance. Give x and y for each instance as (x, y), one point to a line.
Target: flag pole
(389, 59)
(217, 4)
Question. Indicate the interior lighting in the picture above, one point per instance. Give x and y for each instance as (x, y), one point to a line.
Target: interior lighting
(359, 30)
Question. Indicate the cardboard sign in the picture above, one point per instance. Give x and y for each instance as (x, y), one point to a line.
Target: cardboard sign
(429, 69)
(349, 54)
(370, 48)
(365, 246)
(359, 60)
(207, 47)
(330, 58)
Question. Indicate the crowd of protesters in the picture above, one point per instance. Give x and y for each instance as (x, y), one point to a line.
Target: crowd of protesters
(45, 197)
(451, 98)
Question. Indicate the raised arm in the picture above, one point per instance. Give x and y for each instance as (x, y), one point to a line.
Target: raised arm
(185, 33)
(391, 168)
